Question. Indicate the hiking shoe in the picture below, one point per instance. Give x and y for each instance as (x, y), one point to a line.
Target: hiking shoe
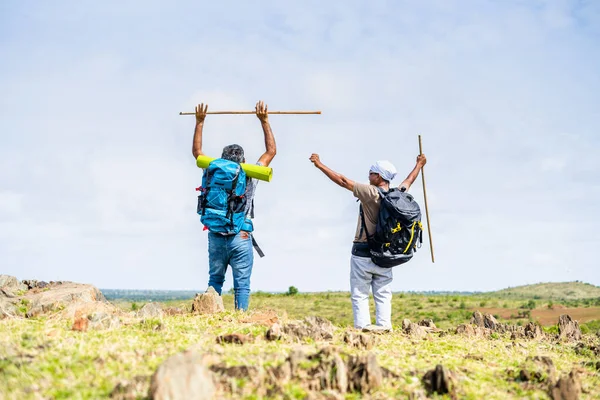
(377, 329)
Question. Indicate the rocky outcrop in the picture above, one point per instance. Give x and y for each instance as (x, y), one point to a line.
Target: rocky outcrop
(316, 328)
(416, 330)
(32, 298)
(469, 330)
(11, 285)
(439, 380)
(208, 302)
(150, 310)
(59, 296)
(568, 329)
(568, 387)
(359, 340)
(235, 338)
(274, 332)
(485, 321)
(182, 376)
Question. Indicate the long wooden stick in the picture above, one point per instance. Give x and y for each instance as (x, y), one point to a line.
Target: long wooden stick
(253, 112)
(426, 208)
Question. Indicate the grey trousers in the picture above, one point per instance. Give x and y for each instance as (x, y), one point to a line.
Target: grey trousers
(366, 275)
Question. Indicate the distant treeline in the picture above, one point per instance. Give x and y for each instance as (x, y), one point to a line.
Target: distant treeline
(166, 295)
(148, 295)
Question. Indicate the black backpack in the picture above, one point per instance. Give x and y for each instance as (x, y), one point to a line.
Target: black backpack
(398, 231)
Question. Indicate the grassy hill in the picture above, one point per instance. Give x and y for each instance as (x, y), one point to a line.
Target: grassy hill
(556, 291)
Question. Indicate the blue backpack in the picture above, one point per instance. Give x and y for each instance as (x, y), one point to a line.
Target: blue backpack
(222, 199)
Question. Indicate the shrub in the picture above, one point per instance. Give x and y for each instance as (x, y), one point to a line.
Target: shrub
(531, 304)
(292, 290)
(553, 330)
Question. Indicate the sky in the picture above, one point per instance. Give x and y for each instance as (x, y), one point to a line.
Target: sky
(97, 178)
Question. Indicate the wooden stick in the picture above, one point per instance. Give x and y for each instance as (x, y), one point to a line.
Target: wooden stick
(253, 112)
(426, 208)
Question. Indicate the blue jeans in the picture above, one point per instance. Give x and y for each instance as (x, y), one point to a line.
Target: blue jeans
(237, 251)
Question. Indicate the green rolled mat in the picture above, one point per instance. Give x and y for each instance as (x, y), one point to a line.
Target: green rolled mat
(252, 170)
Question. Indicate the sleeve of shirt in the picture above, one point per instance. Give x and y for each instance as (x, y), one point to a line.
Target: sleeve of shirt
(365, 192)
(253, 181)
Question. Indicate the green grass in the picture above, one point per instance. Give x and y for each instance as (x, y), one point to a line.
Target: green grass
(566, 291)
(45, 357)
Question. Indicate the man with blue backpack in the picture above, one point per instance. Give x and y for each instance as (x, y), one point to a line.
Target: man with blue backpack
(226, 207)
(387, 234)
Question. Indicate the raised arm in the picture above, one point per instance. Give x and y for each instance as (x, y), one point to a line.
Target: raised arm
(331, 174)
(421, 161)
(197, 144)
(271, 148)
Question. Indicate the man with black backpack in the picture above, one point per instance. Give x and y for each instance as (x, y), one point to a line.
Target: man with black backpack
(387, 233)
(226, 206)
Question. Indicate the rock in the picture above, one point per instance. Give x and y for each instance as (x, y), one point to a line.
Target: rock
(416, 331)
(329, 373)
(76, 310)
(472, 331)
(61, 295)
(34, 284)
(136, 388)
(568, 329)
(182, 376)
(465, 330)
(296, 356)
(537, 369)
(490, 322)
(439, 380)
(340, 379)
(316, 328)
(174, 311)
(150, 310)
(274, 332)
(237, 371)
(477, 319)
(228, 379)
(11, 285)
(428, 323)
(208, 302)
(103, 321)
(235, 338)
(533, 331)
(81, 324)
(568, 387)
(359, 340)
(321, 327)
(364, 373)
(8, 307)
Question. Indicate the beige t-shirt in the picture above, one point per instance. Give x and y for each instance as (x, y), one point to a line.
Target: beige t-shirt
(370, 199)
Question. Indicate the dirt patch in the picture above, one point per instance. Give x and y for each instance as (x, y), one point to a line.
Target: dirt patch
(550, 317)
(546, 316)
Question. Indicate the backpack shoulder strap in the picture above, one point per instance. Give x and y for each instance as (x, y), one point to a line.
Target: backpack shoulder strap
(363, 225)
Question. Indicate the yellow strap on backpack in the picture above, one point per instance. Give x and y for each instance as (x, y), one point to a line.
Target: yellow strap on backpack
(412, 235)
